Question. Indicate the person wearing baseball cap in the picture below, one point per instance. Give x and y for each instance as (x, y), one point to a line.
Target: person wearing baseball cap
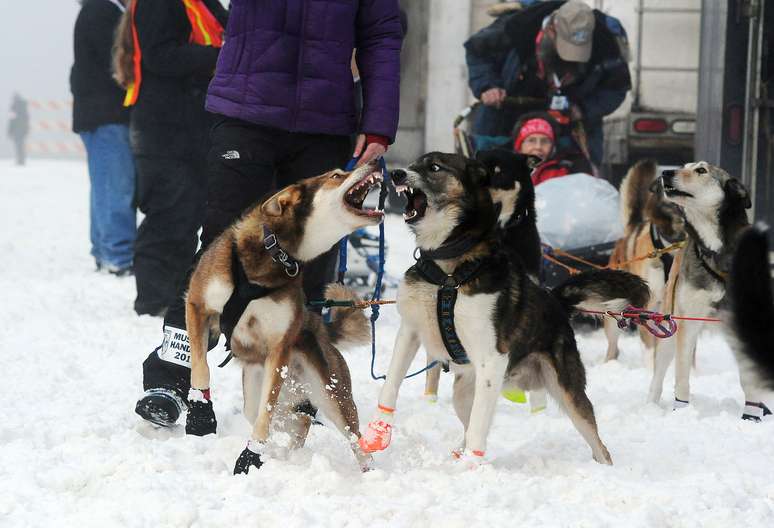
(568, 58)
(574, 27)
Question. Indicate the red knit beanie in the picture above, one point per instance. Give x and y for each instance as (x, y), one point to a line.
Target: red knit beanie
(533, 126)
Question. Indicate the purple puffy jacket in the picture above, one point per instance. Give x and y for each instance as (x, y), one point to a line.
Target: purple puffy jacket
(286, 64)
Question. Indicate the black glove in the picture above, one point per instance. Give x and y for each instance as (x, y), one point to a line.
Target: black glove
(245, 460)
(201, 418)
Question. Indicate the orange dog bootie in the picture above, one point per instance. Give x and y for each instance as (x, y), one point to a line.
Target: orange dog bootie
(376, 437)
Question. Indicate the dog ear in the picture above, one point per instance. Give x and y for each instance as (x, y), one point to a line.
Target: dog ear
(478, 173)
(275, 205)
(736, 188)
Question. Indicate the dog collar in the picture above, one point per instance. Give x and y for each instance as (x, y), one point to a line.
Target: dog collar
(291, 266)
(450, 250)
(447, 298)
(707, 258)
(667, 259)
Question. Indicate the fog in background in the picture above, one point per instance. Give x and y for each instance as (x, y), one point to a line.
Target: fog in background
(36, 53)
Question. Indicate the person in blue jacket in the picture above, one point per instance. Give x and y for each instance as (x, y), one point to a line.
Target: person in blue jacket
(563, 56)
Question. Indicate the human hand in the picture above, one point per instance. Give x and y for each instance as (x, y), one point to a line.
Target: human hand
(493, 97)
(576, 113)
(372, 151)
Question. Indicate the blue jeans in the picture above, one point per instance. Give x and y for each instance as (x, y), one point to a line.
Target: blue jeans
(112, 213)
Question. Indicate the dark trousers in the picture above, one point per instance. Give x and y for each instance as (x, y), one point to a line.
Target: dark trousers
(20, 151)
(247, 162)
(171, 195)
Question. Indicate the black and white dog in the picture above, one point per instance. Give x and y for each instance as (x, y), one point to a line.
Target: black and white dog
(472, 304)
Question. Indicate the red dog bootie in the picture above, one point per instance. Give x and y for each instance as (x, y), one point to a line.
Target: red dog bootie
(376, 437)
(378, 434)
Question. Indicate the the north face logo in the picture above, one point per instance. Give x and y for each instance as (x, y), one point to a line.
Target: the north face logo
(230, 154)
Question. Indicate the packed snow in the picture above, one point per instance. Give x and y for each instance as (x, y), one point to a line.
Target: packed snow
(75, 454)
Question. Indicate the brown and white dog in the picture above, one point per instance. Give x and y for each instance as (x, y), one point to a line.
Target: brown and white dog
(650, 223)
(288, 355)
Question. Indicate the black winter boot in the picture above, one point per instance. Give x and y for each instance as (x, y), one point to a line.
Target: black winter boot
(160, 406)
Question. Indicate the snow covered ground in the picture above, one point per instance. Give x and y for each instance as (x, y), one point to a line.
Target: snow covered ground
(73, 453)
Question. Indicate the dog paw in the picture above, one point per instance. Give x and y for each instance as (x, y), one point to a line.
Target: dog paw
(376, 437)
(468, 459)
(201, 418)
(246, 459)
(679, 404)
(755, 411)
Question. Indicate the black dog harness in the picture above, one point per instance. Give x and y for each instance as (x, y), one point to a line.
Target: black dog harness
(708, 259)
(246, 291)
(666, 258)
(447, 298)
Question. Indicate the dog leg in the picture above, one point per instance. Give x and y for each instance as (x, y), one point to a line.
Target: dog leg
(462, 398)
(252, 374)
(197, 324)
(663, 354)
(432, 378)
(611, 332)
(752, 384)
(334, 398)
(489, 375)
(271, 386)
(379, 432)
(686, 345)
(574, 401)
(201, 419)
(296, 425)
(537, 400)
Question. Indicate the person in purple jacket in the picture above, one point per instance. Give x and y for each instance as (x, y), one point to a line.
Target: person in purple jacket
(284, 99)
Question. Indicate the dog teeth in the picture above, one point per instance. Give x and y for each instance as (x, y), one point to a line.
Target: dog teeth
(401, 188)
(409, 216)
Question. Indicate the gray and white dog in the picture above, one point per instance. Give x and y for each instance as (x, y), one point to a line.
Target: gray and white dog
(714, 205)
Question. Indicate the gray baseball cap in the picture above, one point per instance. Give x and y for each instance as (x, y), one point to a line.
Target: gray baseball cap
(574, 26)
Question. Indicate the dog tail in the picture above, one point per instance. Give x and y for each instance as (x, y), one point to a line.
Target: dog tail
(752, 308)
(634, 192)
(602, 290)
(349, 326)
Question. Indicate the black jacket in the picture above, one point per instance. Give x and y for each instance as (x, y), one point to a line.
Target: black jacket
(503, 55)
(175, 73)
(97, 99)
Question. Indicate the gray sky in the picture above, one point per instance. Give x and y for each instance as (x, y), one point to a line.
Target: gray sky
(35, 53)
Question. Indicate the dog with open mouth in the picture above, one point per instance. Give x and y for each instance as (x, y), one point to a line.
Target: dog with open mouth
(288, 355)
(714, 206)
(472, 304)
(513, 195)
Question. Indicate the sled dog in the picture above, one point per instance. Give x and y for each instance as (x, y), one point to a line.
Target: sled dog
(751, 315)
(500, 329)
(650, 223)
(287, 354)
(513, 196)
(713, 204)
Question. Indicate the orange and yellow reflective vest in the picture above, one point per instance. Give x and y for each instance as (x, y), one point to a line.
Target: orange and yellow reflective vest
(205, 31)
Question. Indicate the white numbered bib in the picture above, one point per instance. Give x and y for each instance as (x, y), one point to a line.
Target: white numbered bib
(176, 348)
